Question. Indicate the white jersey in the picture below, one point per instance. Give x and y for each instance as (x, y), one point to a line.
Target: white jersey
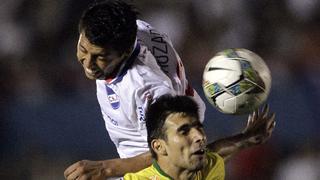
(153, 69)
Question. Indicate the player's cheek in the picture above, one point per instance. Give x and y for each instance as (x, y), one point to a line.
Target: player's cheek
(81, 58)
(101, 65)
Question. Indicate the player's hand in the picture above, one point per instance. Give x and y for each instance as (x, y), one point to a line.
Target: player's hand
(85, 170)
(259, 127)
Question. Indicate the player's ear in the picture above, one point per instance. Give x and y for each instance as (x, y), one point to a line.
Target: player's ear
(158, 147)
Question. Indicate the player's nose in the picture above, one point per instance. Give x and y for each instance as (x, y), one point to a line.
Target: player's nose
(198, 135)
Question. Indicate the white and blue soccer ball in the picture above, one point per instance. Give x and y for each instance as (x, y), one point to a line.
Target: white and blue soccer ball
(236, 81)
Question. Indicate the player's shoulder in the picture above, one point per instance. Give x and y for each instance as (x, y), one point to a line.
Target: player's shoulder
(214, 155)
(214, 159)
(146, 64)
(215, 168)
(145, 30)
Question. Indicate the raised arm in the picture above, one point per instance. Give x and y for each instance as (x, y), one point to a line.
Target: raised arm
(100, 170)
(260, 126)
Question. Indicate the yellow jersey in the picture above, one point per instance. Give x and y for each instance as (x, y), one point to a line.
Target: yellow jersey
(214, 170)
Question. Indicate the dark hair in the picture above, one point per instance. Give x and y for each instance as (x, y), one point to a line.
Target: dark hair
(110, 23)
(158, 112)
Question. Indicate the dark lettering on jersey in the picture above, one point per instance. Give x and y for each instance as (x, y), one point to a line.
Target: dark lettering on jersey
(163, 50)
(114, 122)
(160, 52)
(141, 114)
(154, 32)
(163, 63)
(158, 39)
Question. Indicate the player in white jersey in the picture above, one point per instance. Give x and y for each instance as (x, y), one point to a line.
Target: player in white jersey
(124, 99)
(133, 65)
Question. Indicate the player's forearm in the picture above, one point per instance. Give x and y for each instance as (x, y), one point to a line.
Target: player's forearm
(119, 167)
(229, 146)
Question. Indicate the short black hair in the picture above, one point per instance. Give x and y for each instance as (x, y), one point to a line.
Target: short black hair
(158, 112)
(110, 23)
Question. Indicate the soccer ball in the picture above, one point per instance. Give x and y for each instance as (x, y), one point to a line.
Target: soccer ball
(236, 81)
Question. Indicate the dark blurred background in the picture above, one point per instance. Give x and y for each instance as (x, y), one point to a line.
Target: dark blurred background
(50, 117)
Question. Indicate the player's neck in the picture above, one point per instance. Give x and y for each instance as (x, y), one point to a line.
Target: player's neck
(122, 65)
(175, 172)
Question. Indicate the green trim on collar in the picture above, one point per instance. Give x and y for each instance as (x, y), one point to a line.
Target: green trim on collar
(157, 167)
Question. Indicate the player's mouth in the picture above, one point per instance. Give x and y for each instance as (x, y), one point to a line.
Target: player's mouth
(199, 152)
(93, 73)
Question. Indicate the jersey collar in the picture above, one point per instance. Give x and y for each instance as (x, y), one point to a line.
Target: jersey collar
(125, 66)
(157, 167)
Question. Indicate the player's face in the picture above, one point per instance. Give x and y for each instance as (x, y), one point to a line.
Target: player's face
(98, 62)
(186, 142)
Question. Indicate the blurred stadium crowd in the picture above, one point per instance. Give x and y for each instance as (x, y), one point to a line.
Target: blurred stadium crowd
(50, 117)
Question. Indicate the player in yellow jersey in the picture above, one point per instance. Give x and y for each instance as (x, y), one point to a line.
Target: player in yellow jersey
(178, 142)
(133, 64)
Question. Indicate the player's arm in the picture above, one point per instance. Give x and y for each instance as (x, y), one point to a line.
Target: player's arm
(259, 128)
(100, 170)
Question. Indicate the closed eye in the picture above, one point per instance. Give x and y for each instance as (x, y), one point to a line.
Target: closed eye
(184, 129)
(82, 49)
(101, 58)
